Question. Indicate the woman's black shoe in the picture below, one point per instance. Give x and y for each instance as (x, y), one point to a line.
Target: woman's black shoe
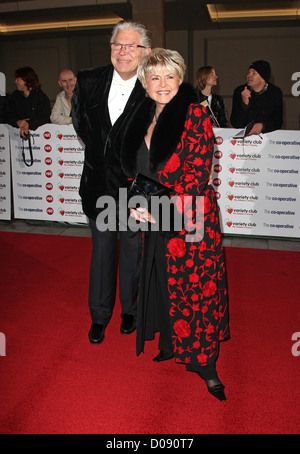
(218, 392)
(162, 356)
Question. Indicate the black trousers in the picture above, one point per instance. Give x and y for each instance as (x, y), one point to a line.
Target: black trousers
(103, 272)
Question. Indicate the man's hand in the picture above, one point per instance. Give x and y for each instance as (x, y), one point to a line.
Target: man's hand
(257, 129)
(246, 95)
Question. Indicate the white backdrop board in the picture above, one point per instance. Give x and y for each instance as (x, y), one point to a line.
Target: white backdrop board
(48, 190)
(258, 183)
(257, 180)
(5, 193)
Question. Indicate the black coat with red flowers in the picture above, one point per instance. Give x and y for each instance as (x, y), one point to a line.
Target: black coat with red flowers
(180, 154)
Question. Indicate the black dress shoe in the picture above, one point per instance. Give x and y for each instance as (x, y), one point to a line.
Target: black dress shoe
(163, 356)
(96, 333)
(128, 324)
(218, 392)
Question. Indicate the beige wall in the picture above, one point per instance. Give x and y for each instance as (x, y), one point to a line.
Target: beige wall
(229, 51)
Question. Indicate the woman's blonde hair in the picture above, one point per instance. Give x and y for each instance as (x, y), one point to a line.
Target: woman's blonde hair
(171, 59)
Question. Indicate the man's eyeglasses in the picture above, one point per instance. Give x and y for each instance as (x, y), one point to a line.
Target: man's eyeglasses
(127, 47)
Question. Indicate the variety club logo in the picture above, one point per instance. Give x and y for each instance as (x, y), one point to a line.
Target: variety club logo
(50, 211)
(49, 198)
(219, 140)
(48, 161)
(48, 148)
(49, 186)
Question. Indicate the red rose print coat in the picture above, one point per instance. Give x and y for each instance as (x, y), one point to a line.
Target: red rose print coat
(181, 154)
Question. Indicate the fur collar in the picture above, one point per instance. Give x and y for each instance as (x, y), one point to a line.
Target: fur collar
(166, 134)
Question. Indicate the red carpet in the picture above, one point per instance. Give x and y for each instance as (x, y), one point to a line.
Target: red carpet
(53, 381)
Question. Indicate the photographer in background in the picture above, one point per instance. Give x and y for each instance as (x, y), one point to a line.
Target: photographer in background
(28, 107)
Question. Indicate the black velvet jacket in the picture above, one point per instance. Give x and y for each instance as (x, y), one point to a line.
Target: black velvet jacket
(102, 173)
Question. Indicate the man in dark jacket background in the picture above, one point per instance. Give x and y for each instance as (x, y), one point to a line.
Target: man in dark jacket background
(103, 99)
(258, 101)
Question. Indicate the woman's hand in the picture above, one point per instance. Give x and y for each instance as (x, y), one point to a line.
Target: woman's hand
(142, 214)
(24, 127)
(210, 175)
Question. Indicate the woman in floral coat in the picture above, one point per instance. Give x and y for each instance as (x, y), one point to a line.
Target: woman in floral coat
(183, 285)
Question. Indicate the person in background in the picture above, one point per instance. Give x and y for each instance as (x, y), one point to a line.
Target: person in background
(28, 107)
(3, 102)
(258, 100)
(102, 101)
(61, 111)
(182, 292)
(206, 79)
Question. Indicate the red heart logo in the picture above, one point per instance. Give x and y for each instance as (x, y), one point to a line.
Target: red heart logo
(61, 200)
(61, 162)
(231, 183)
(230, 197)
(61, 175)
(59, 136)
(229, 224)
(230, 210)
(62, 212)
(61, 188)
(233, 142)
(233, 156)
(60, 149)
(232, 170)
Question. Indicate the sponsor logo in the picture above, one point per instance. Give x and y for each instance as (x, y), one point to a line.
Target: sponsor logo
(218, 154)
(49, 198)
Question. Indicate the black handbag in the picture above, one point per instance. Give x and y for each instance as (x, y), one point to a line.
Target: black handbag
(146, 187)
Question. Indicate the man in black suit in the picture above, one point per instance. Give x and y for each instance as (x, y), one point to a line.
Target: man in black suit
(102, 101)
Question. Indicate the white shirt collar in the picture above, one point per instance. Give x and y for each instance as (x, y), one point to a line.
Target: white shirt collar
(117, 80)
